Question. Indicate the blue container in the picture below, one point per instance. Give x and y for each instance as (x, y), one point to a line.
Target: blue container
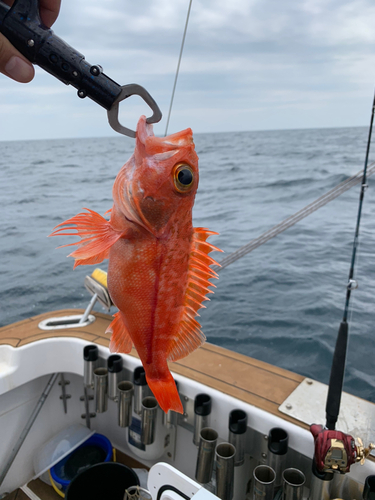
(97, 449)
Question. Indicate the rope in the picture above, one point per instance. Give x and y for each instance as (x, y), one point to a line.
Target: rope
(54, 485)
(178, 67)
(293, 219)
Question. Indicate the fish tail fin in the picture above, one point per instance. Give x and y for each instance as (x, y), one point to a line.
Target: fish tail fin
(166, 393)
(96, 233)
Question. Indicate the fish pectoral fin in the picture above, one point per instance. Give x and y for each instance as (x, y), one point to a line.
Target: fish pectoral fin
(96, 233)
(120, 338)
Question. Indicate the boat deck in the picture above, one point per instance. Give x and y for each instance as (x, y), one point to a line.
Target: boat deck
(40, 490)
(255, 382)
(252, 381)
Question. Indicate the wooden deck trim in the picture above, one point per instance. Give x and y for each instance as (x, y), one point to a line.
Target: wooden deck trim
(252, 381)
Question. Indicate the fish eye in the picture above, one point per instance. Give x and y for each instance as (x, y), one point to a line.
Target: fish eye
(183, 177)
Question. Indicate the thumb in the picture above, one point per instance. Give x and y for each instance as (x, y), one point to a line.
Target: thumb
(13, 64)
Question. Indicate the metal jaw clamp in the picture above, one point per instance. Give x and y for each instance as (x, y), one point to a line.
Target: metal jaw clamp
(127, 91)
(22, 26)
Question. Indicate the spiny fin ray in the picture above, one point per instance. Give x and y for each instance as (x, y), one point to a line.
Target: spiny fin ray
(96, 233)
(120, 338)
(189, 335)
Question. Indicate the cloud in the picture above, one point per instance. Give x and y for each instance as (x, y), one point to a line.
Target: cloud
(247, 64)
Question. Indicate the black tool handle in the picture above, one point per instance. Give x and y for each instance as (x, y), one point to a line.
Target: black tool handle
(22, 26)
(337, 377)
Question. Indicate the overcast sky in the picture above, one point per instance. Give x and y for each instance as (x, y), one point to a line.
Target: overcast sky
(247, 65)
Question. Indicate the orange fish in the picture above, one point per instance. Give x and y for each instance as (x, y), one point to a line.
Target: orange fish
(158, 271)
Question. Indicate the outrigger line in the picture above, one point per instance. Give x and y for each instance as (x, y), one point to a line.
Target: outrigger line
(293, 219)
(178, 67)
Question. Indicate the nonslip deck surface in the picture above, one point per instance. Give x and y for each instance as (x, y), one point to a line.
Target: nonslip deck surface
(46, 492)
(255, 382)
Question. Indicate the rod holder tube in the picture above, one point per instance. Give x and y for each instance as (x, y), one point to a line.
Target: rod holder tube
(264, 483)
(141, 389)
(125, 391)
(114, 365)
(236, 436)
(369, 488)
(277, 450)
(320, 489)
(293, 482)
(225, 456)
(206, 455)
(148, 419)
(90, 361)
(101, 389)
(170, 419)
(202, 412)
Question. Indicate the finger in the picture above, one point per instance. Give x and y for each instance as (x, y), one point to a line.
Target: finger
(13, 64)
(49, 10)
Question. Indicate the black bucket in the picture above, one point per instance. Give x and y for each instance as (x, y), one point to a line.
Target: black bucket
(102, 481)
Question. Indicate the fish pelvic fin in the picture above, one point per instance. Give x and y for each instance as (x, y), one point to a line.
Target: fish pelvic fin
(96, 233)
(166, 393)
(189, 335)
(120, 338)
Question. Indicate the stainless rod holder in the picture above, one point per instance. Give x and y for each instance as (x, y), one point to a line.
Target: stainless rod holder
(206, 455)
(277, 450)
(236, 436)
(293, 482)
(141, 389)
(170, 418)
(320, 489)
(264, 483)
(225, 456)
(148, 419)
(202, 412)
(114, 365)
(90, 361)
(125, 391)
(101, 389)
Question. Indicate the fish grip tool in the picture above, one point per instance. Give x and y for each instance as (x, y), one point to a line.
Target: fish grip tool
(22, 26)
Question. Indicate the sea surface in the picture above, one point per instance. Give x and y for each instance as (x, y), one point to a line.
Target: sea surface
(282, 303)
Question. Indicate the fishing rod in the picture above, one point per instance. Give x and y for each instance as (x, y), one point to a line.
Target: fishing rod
(339, 356)
(22, 26)
(336, 451)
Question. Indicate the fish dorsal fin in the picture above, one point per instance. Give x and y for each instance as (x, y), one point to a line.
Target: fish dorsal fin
(189, 335)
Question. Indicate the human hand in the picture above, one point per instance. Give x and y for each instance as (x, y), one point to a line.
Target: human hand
(14, 64)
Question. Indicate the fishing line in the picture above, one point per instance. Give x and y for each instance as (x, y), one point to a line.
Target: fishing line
(293, 219)
(178, 67)
(361, 197)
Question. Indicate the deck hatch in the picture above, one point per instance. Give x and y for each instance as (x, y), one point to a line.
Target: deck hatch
(308, 401)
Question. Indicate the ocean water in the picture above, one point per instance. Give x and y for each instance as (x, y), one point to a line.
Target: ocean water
(282, 303)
